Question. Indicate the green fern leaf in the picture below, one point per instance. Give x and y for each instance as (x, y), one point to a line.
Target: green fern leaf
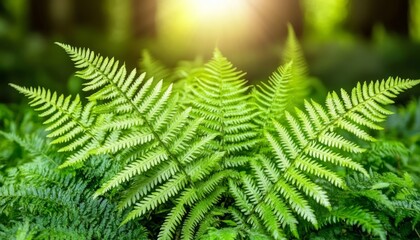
(45, 199)
(300, 149)
(72, 125)
(299, 82)
(154, 144)
(359, 217)
(272, 98)
(198, 212)
(221, 101)
(155, 68)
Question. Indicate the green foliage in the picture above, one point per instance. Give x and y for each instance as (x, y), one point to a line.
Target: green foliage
(37, 201)
(383, 204)
(325, 22)
(300, 82)
(405, 124)
(215, 159)
(414, 20)
(19, 126)
(154, 68)
(51, 204)
(399, 147)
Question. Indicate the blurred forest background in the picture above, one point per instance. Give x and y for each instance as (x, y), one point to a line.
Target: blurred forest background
(344, 41)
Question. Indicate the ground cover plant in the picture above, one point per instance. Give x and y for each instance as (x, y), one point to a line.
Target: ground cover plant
(206, 157)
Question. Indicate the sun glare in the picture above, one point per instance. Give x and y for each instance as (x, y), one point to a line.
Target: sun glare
(216, 9)
(207, 23)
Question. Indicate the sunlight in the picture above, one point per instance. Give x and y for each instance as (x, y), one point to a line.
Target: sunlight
(206, 23)
(215, 9)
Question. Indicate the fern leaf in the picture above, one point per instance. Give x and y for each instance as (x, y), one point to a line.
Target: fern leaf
(359, 217)
(72, 125)
(198, 212)
(296, 201)
(300, 149)
(270, 222)
(161, 195)
(155, 68)
(134, 139)
(272, 98)
(299, 81)
(175, 217)
(241, 200)
(283, 213)
(45, 200)
(136, 168)
(35, 145)
(162, 142)
(307, 186)
(142, 186)
(221, 101)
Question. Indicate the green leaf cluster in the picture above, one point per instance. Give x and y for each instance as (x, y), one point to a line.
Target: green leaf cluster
(213, 157)
(38, 201)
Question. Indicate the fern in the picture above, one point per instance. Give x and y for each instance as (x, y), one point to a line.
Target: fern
(39, 202)
(221, 100)
(299, 84)
(305, 146)
(221, 160)
(383, 205)
(187, 72)
(385, 155)
(358, 217)
(70, 124)
(172, 158)
(403, 127)
(287, 87)
(60, 207)
(272, 99)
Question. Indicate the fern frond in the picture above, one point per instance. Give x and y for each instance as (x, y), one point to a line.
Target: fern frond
(167, 144)
(142, 185)
(154, 68)
(136, 168)
(299, 81)
(281, 215)
(286, 88)
(191, 197)
(171, 187)
(357, 217)
(379, 204)
(272, 98)
(35, 145)
(45, 200)
(198, 212)
(221, 101)
(69, 123)
(385, 154)
(300, 149)
(390, 193)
